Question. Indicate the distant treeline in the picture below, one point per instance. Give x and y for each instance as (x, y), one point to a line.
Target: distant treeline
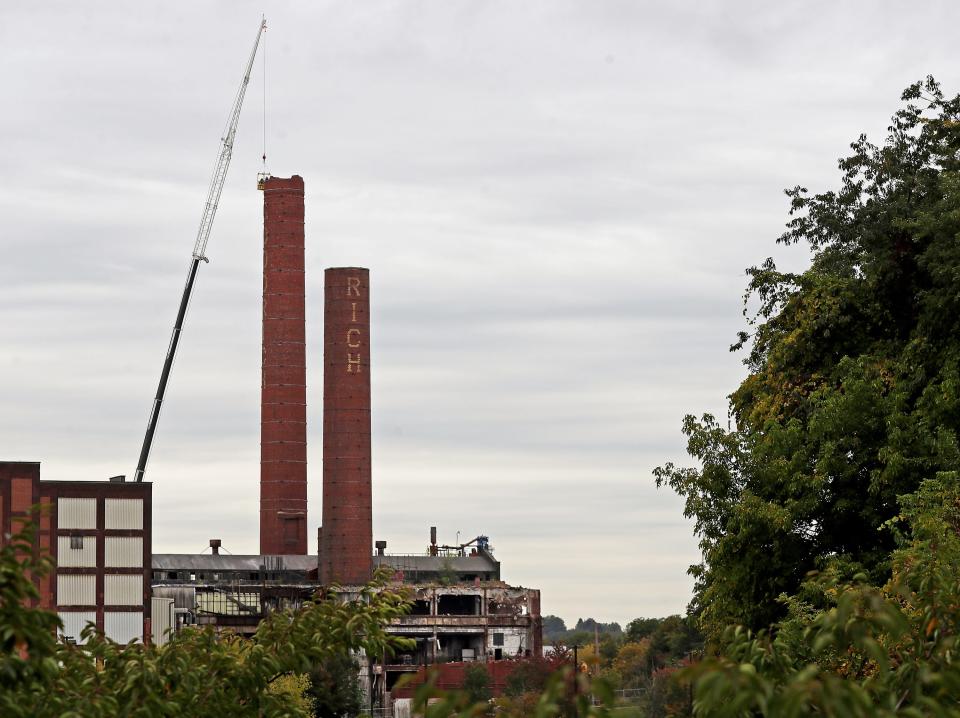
(555, 629)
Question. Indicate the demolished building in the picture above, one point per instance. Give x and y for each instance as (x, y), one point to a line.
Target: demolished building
(462, 610)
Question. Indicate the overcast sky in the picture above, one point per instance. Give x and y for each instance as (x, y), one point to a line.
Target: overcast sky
(556, 201)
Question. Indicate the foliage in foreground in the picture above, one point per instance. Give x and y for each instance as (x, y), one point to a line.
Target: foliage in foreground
(889, 651)
(565, 693)
(199, 673)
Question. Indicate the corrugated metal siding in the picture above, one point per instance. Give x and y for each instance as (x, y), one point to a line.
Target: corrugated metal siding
(123, 551)
(76, 513)
(76, 589)
(77, 557)
(184, 597)
(161, 620)
(123, 627)
(123, 513)
(123, 590)
(74, 621)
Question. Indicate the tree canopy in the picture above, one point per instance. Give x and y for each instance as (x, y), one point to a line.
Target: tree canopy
(869, 652)
(853, 390)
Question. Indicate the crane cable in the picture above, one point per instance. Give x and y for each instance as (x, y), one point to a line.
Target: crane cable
(264, 56)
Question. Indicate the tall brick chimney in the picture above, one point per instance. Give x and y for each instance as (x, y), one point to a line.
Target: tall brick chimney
(283, 406)
(347, 537)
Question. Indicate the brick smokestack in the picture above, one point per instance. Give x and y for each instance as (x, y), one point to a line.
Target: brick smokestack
(347, 514)
(283, 407)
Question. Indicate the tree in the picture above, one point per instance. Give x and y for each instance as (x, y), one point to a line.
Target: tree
(634, 664)
(553, 626)
(199, 673)
(588, 625)
(334, 688)
(476, 683)
(531, 675)
(640, 628)
(673, 640)
(854, 367)
(872, 652)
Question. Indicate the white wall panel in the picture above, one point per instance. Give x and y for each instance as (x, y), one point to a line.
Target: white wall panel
(123, 551)
(514, 640)
(123, 627)
(123, 513)
(75, 589)
(123, 590)
(77, 557)
(74, 621)
(76, 513)
(161, 619)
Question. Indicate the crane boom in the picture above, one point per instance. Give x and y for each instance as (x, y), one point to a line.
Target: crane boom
(199, 252)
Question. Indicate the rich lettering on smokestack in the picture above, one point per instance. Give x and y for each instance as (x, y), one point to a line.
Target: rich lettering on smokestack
(283, 408)
(347, 535)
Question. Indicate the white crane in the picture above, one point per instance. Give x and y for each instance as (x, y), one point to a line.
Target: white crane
(199, 251)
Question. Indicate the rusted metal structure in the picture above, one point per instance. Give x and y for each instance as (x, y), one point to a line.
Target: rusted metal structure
(484, 622)
(347, 536)
(283, 409)
(232, 591)
(461, 611)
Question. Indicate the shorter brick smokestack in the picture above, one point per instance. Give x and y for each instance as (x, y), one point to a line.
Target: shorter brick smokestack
(347, 536)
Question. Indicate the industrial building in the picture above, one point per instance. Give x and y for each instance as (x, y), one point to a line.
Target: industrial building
(462, 609)
(100, 532)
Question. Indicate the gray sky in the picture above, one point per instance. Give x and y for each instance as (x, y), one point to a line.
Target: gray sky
(556, 201)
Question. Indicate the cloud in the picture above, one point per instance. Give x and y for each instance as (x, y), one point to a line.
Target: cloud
(556, 202)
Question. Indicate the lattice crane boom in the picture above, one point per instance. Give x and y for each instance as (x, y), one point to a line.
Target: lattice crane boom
(199, 252)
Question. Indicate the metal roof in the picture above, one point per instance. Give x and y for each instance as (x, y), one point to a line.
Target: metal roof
(229, 562)
(460, 564)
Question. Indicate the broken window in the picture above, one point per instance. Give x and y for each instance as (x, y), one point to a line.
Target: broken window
(420, 608)
(458, 605)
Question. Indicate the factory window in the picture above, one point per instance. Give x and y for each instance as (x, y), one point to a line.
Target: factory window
(458, 605)
(420, 608)
(193, 577)
(498, 639)
(172, 575)
(76, 542)
(254, 576)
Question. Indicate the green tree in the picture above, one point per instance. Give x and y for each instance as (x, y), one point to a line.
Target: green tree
(334, 689)
(634, 664)
(553, 626)
(872, 652)
(529, 676)
(674, 639)
(640, 628)
(853, 392)
(476, 683)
